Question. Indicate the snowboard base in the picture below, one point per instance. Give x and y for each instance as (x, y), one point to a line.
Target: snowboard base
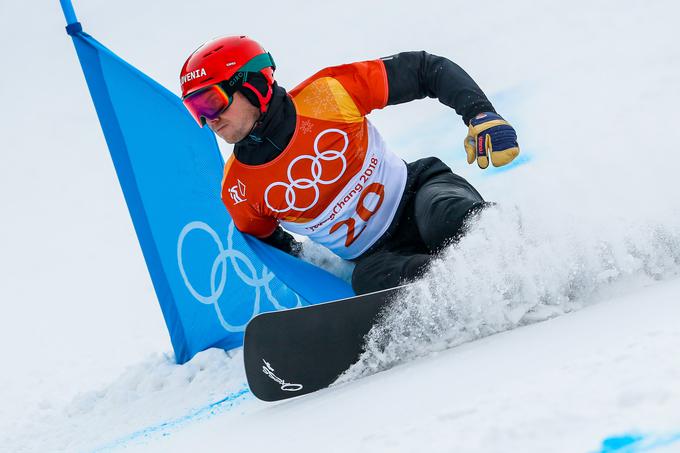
(293, 352)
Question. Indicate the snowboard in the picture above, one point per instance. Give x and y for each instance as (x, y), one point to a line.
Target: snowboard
(293, 352)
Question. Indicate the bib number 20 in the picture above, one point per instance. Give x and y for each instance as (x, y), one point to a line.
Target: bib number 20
(363, 212)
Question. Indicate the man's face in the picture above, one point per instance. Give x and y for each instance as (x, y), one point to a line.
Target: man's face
(235, 123)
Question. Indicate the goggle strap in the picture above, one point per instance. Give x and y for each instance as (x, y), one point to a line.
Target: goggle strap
(255, 64)
(258, 63)
(263, 99)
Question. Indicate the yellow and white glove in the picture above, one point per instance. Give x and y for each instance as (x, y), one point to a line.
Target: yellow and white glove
(490, 136)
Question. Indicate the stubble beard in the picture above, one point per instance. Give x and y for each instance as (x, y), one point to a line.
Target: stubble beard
(238, 134)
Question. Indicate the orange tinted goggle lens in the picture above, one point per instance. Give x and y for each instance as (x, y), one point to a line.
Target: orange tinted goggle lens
(207, 104)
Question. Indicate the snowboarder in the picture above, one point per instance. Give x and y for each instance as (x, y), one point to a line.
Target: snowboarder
(310, 161)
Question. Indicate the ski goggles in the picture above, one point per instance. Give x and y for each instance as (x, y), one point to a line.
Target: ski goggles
(208, 103)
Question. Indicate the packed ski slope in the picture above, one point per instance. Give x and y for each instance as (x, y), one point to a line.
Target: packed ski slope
(553, 326)
(562, 385)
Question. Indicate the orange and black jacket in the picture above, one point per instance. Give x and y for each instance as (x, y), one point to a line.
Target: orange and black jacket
(410, 76)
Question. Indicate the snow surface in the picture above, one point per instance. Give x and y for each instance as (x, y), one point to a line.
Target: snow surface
(586, 239)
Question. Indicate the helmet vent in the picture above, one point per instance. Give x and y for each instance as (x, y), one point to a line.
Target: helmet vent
(212, 52)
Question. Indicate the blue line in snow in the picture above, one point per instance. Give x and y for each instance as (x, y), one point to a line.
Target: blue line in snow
(225, 403)
(636, 443)
(522, 159)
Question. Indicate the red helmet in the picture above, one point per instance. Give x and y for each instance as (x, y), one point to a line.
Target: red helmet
(228, 59)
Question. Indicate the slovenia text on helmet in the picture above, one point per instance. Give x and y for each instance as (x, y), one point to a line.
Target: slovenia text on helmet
(229, 60)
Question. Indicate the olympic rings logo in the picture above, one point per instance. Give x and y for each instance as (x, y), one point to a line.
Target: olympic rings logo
(316, 169)
(218, 274)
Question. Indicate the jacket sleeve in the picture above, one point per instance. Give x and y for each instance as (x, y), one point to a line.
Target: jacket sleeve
(414, 75)
(267, 230)
(350, 90)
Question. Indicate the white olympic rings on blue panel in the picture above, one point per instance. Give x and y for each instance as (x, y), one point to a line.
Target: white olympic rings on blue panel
(226, 256)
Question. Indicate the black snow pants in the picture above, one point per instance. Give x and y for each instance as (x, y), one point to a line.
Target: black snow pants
(431, 218)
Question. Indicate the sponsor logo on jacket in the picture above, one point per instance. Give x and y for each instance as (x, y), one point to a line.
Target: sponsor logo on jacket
(238, 192)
